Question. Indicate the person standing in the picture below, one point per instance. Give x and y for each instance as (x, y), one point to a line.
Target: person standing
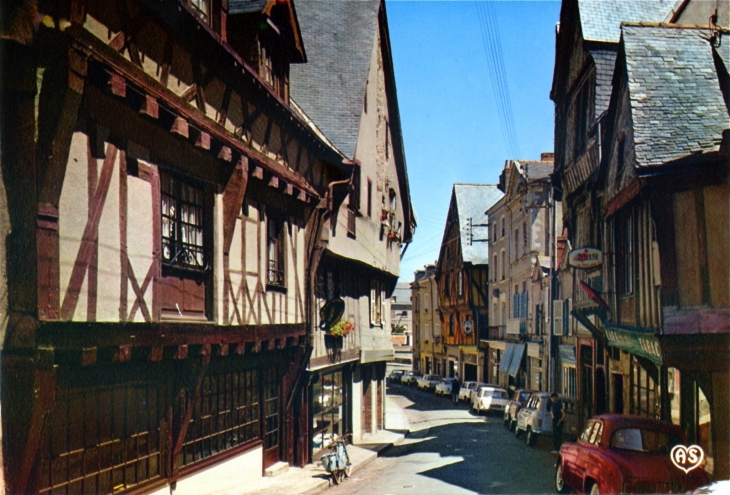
(558, 415)
(455, 387)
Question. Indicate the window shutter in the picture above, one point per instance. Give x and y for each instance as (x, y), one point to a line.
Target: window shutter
(372, 304)
(558, 317)
(567, 317)
(382, 308)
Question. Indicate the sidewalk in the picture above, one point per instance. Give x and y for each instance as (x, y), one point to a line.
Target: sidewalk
(313, 479)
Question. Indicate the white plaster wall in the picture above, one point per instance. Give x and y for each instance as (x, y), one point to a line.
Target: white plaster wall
(224, 477)
(140, 243)
(357, 407)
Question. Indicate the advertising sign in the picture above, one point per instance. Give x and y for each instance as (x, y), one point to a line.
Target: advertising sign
(331, 313)
(585, 258)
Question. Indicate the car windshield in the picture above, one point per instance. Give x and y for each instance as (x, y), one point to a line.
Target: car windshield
(523, 396)
(496, 394)
(644, 440)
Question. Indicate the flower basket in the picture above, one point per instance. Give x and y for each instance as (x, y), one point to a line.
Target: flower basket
(341, 328)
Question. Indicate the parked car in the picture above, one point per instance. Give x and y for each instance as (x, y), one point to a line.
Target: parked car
(444, 386)
(428, 382)
(534, 418)
(467, 389)
(625, 454)
(519, 399)
(410, 378)
(489, 399)
(396, 376)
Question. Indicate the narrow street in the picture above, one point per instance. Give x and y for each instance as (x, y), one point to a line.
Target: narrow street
(450, 451)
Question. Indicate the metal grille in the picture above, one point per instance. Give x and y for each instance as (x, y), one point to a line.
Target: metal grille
(225, 416)
(101, 440)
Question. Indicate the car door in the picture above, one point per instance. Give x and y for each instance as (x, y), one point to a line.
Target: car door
(574, 458)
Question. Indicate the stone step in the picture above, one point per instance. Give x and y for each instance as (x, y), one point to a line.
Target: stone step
(276, 469)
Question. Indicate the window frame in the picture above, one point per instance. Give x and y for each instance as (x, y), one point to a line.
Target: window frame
(377, 303)
(177, 224)
(274, 220)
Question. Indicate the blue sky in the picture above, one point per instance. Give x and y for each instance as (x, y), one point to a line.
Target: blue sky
(448, 110)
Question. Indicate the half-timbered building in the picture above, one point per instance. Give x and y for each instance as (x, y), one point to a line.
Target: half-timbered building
(461, 276)
(665, 197)
(162, 204)
(348, 92)
(585, 52)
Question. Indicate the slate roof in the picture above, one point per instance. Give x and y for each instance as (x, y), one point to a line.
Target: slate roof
(600, 19)
(536, 170)
(676, 103)
(472, 201)
(605, 60)
(402, 294)
(329, 88)
(245, 6)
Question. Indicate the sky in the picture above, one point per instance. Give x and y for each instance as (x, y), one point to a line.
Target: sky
(448, 110)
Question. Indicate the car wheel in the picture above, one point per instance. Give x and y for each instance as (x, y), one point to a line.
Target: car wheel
(560, 486)
(530, 437)
(348, 470)
(595, 490)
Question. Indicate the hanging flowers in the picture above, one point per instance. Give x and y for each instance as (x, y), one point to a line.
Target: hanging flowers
(341, 328)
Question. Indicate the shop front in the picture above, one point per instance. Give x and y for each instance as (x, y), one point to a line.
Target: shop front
(331, 400)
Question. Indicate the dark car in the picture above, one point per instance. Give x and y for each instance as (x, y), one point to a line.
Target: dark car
(625, 454)
(519, 399)
(396, 376)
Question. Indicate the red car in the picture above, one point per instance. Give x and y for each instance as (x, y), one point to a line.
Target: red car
(624, 454)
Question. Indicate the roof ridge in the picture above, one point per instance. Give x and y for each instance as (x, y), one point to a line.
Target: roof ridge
(473, 184)
(670, 25)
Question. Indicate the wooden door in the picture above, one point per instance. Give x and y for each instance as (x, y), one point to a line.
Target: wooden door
(271, 416)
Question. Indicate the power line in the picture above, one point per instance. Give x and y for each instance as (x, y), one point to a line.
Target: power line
(493, 50)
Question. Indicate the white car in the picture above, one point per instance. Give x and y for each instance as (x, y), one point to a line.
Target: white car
(428, 382)
(444, 386)
(467, 390)
(535, 419)
(489, 399)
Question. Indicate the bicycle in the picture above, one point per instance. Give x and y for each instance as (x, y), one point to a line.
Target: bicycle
(338, 462)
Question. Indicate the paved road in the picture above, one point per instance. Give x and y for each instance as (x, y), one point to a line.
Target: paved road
(450, 451)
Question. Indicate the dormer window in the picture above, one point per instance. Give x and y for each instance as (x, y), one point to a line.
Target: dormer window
(266, 68)
(202, 8)
(272, 69)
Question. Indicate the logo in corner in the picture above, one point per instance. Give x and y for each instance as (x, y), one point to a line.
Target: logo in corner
(687, 458)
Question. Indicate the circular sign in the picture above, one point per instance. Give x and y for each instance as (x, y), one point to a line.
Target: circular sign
(331, 313)
(585, 258)
(467, 327)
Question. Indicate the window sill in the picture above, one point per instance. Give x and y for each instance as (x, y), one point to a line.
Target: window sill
(276, 288)
(172, 315)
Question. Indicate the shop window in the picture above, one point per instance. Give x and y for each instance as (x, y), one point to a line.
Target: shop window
(270, 386)
(276, 252)
(643, 393)
(102, 440)
(328, 409)
(225, 416)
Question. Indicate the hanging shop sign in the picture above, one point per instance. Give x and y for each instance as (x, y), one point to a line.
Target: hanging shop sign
(585, 258)
(468, 327)
(331, 313)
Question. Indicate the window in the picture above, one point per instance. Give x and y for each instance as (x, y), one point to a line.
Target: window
(517, 243)
(460, 283)
(628, 259)
(502, 228)
(428, 331)
(437, 329)
(225, 416)
(266, 68)
(525, 243)
(495, 268)
(328, 399)
(102, 439)
(276, 275)
(504, 313)
(451, 325)
(516, 302)
(376, 303)
(387, 140)
(425, 301)
(353, 205)
(182, 224)
(201, 7)
(504, 264)
(370, 198)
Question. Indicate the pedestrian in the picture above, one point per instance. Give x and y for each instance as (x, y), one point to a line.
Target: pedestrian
(455, 387)
(558, 415)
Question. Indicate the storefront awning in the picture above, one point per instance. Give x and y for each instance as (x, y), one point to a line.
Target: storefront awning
(567, 354)
(514, 366)
(641, 343)
(506, 358)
